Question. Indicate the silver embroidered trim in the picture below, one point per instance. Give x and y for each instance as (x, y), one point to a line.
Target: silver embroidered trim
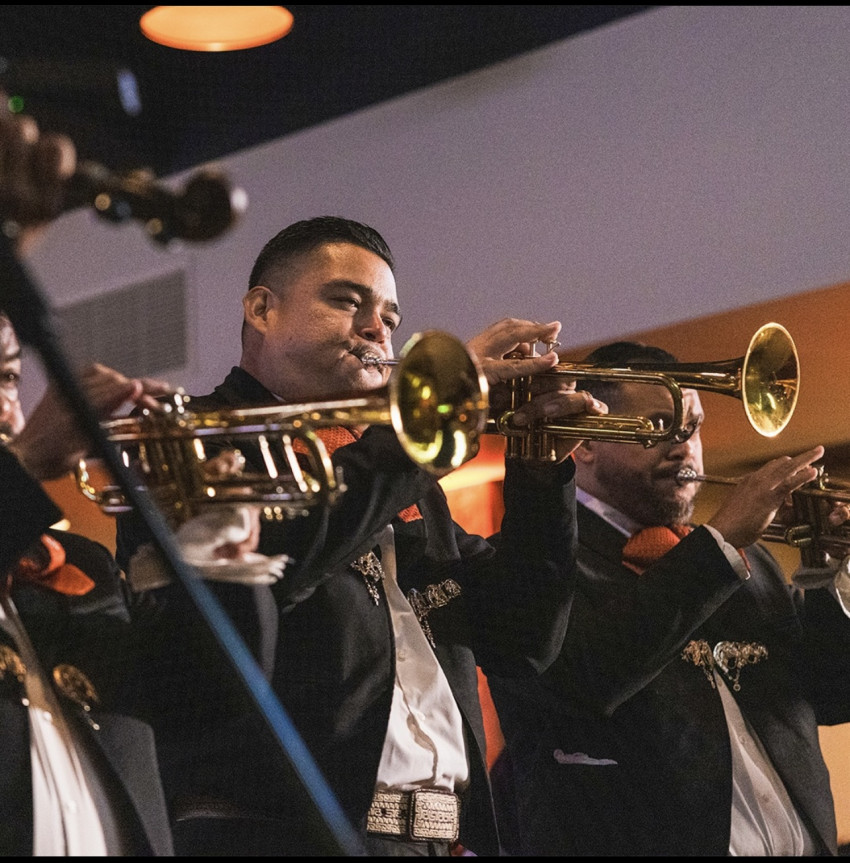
(729, 656)
(732, 656)
(369, 566)
(434, 596)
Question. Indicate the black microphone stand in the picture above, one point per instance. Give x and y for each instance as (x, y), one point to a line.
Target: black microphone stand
(22, 301)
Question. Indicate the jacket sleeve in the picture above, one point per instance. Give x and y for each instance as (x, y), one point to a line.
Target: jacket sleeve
(380, 480)
(519, 596)
(26, 510)
(827, 654)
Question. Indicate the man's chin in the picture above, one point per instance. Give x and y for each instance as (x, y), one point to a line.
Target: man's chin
(684, 510)
(675, 509)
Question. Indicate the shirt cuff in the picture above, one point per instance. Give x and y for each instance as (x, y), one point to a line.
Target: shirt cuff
(735, 558)
(198, 540)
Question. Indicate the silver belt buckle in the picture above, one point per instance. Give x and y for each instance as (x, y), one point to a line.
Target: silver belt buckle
(434, 814)
(389, 813)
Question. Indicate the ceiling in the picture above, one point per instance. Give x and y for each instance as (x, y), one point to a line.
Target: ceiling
(192, 108)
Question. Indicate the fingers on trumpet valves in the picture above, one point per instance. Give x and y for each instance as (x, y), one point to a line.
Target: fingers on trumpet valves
(529, 349)
(557, 404)
(592, 405)
(839, 514)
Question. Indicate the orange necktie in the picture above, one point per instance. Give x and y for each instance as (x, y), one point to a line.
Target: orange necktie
(648, 545)
(337, 436)
(44, 564)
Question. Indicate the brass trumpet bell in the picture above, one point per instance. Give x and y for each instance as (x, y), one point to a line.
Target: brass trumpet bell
(766, 379)
(436, 401)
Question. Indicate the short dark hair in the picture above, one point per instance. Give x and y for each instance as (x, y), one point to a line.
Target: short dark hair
(309, 234)
(621, 355)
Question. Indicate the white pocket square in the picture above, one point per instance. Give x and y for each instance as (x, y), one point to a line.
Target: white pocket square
(581, 758)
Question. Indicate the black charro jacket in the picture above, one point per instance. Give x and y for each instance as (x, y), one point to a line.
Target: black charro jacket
(621, 748)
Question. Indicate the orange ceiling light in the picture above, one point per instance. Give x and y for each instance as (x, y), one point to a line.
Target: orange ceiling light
(216, 28)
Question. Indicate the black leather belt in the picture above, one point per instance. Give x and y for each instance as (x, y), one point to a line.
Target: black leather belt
(424, 814)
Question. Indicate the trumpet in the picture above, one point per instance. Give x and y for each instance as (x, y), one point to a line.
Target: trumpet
(766, 379)
(808, 528)
(435, 400)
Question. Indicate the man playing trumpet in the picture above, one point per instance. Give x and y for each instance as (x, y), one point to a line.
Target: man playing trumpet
(373, 633)
(681, 717)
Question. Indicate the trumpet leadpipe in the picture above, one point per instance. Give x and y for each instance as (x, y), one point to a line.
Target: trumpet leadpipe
(821, 486)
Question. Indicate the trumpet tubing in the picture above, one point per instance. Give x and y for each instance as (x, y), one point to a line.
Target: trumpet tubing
(766, 379)
(435, 400)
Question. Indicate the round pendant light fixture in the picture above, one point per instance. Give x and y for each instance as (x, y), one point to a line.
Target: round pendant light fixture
(216, 28)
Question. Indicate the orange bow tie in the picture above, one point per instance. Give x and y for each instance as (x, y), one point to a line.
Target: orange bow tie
(44, 564)
(648, 545)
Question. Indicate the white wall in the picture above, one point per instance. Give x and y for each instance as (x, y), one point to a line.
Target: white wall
(675, 164)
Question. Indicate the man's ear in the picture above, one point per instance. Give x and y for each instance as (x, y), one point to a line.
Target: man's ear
(256, 304)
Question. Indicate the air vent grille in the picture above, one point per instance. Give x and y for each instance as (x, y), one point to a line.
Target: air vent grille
(139, 330)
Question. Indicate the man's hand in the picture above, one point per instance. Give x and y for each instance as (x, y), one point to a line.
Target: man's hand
(52, 443)
(839, 513)
(34, 168)
(752, 505)
(505, 350)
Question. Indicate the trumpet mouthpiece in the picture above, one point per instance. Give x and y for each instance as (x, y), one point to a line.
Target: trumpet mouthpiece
(687, 474)
(374, 361)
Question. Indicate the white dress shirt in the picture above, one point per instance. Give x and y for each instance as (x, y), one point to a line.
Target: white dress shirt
(67, 822)
(424, 746)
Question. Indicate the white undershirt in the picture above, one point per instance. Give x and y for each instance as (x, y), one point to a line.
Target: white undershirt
(424, 746)
(764, 820)
(66, 821)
